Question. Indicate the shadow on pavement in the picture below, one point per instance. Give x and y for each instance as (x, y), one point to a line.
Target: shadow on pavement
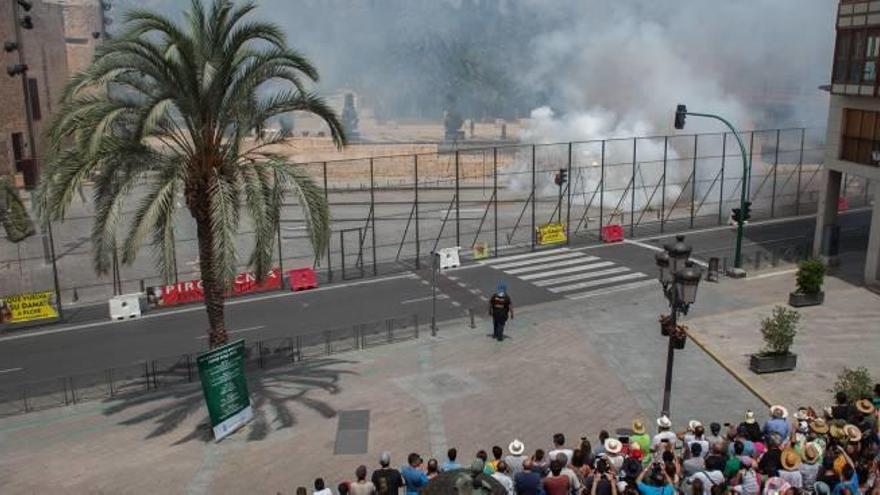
(274, 395)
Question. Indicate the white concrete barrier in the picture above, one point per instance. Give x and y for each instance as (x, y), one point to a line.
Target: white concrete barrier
(125, 306)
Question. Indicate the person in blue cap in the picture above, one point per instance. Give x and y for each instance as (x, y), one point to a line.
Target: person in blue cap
(500, 308)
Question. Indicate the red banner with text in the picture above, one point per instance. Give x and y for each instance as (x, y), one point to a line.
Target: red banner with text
(191, 290)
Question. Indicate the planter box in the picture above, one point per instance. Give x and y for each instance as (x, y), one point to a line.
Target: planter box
(772, 363)
(798, 300)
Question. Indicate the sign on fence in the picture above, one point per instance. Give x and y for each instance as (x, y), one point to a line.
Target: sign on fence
(551, 233)
(191, 290)
(27, 307)
(481, 250)
(221, 372)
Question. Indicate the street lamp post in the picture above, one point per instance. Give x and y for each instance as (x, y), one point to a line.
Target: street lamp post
(740, 214)
(679, 278)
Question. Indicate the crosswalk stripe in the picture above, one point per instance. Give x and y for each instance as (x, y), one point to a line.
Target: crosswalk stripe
(545, 266)
(571, 269)
(555, 257)
(581, 276)
(610, 290)
(523, 256)
(593, 283)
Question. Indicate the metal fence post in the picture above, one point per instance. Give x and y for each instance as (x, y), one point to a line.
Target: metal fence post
(748, 183)
(721, 190)
(373, 220)
(632, 198)
(797, 204)
(602, 190)
(775, 167)
(534, 198)
(416, 189)
(495, 198)
(457, 201)
(278, 233)
(663, 178)
(330, 240)
(568, 200)
(694, 181)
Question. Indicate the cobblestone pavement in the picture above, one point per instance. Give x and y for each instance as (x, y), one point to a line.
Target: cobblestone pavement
(571, 367)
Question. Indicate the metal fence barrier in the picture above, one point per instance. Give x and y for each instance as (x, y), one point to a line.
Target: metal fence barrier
(172, 371)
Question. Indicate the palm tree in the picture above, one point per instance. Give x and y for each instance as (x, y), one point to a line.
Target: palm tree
(168, 108)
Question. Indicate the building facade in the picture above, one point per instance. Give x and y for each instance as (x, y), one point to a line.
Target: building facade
(853, 140)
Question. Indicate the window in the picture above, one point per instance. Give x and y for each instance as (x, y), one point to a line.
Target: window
(857, 57)
(34, 95)
(861, 136)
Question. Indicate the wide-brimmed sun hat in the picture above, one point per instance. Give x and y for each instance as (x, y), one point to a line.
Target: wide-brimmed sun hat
(836, 429)
(819, 426)
(638, 427)
(853, 433)
(613, 445)
(790, 459)
(778, 411)
(864, 406)
(693, 424)
(811, 453)
(516, 447)
(750, 417)
(664, 422)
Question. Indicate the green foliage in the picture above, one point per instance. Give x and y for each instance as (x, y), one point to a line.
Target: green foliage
(810, 275)
(856, 383)
(175, 130)
(779, 330)
(13, 214)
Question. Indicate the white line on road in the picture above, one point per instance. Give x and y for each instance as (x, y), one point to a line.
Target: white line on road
(545, 266)
(98, 324)
(771, 274)
(420, 299)
(581, 276)
(555, 257)
(619, 288)
(652, 247)
(10, 370)
(241, 330)
(562, 271)
(593, 283)
(505, 259)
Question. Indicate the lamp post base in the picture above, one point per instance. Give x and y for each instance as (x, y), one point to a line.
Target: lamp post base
(736, 273)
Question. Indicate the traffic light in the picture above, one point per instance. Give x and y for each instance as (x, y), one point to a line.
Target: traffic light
(561, 177)
(26, 22)
(680, 114)
(16, 69)
(744, 214)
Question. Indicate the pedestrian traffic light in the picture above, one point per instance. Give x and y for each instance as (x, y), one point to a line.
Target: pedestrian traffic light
(680, 114)
(747, 210)
(561, 177)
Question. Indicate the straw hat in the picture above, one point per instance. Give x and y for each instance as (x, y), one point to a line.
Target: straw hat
(613, 445)
(664, 422)
(638, 427)
(694, 424)
(516, 447)
(750, 417)
(790, 459)
(836, 429)
(811, 453)
(819, 426)
(865, 406)
(852, 433)
(778, 411)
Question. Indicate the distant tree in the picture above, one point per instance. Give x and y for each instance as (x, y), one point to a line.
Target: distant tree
(187, 97)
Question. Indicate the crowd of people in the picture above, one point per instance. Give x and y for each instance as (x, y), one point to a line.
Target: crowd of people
(830, 452)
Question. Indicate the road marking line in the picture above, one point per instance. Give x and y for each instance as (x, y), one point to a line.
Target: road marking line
(536, 268)
(771, 274)
(581, 276)
(248, 329)
(652, 247)
(10, 370)
(505, 259)
(200, 307)
(426, 298)
(532, 261)
(567, 270)
(619, 288)
(593, 283)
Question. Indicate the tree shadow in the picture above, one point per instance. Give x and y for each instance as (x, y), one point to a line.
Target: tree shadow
(274, 394)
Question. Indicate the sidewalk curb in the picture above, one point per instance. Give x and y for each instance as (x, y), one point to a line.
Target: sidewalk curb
(745, 383)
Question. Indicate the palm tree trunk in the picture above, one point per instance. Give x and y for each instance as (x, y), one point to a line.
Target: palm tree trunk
(213, 288)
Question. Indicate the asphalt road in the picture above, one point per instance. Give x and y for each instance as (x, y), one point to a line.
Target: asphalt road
(551, 274)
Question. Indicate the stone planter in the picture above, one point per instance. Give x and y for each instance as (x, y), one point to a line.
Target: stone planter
(772, 363)
(799, 300)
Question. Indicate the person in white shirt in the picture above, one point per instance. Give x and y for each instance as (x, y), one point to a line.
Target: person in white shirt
(320, 489)
(559, 447)
(664, 434)
(790, 473)
(708, 478)
(502, 476)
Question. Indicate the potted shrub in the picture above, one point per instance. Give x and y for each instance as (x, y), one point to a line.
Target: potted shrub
(810, 275)
(856, 383)
(778, 331)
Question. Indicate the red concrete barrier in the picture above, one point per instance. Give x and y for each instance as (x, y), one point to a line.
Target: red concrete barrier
(612, 233)
(302, 279)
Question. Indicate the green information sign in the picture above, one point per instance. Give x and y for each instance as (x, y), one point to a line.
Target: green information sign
(221, 371)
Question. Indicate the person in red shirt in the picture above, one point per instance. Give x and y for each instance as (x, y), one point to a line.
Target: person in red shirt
(557, 483)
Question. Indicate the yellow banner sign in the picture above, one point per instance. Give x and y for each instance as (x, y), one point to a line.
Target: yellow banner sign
(27, 307)
(551, 233)
(481, 250)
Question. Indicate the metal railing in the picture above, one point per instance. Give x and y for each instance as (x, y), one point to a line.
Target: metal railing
(164, 372)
